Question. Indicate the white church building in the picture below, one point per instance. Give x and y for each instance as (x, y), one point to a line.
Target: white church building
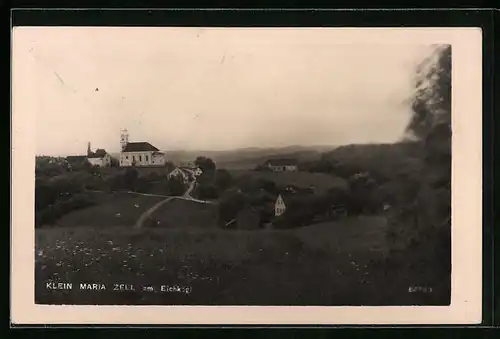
(139, 154)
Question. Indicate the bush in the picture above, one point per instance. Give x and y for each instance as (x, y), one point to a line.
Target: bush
(176, 186)
(49, 191)
(131, 176)
(143, 186)
(153, 176)
(52, 213)
(268, 185)
(299, 212)
(207, 191)
(223, 180)
(230, 204)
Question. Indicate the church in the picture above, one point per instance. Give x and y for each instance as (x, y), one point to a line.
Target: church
(139, 154)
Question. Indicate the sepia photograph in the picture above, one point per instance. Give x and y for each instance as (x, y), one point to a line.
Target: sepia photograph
(193, 166)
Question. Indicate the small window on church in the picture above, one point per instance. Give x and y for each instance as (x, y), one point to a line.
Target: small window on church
(147, 158)
(126, 157)
(140, 157)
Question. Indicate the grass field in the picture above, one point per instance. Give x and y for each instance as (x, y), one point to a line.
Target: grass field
(185, 214)
(325, 264)
(108, 205)
(321, 181)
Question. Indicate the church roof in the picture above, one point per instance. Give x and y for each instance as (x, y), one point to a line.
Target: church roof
(140, 147)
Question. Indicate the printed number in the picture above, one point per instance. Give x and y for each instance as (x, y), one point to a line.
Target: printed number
(422, 289)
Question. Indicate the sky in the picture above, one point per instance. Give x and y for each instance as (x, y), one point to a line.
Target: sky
(213, 89)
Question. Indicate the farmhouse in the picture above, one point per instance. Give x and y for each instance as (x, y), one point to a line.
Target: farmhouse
(281, 165)
(186, 174)
(140, 154)
(98, 158)
(179, 174)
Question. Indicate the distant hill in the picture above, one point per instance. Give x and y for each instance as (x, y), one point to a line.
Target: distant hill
(245, 158)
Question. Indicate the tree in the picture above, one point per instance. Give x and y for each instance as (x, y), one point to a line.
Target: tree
(223, 180)
(230, 203)
(267, 185)
(430, 126)
(431, 120)
(131, 176)
(176, 186)
(432, 100)
(206, 191)
(114, 162)
(206, 164)
(169, 165)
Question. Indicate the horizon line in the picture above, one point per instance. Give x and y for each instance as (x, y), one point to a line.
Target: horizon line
(242, 148)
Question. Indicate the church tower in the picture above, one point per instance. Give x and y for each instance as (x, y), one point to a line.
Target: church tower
(89, 150)
(123, 138)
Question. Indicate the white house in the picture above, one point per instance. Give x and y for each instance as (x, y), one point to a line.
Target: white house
(179, 173)
(98, 158)
(282, 165)
(279, 206)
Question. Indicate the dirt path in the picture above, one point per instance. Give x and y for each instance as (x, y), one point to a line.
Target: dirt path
(185, 196)
(147, 214)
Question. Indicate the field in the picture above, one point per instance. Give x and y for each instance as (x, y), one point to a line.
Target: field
(324, 264)
(112, 209)
(186, 214)
(322, 182)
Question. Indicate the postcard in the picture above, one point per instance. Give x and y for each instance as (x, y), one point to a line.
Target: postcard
(228, 175)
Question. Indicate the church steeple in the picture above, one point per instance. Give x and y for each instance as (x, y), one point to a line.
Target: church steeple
(123, 138)
(89, 151)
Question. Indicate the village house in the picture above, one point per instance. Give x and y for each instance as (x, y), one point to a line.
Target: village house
(281, 165)
(179, 174)
(287, 196)
(99, 158)
(186, 174)
(139, 154)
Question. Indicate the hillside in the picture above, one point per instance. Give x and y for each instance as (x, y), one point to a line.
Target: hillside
(322, 182)
(246, 158)
(382, 158)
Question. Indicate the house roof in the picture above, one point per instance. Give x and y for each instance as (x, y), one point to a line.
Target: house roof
(140, 147)
(99, 153)
(282, 162)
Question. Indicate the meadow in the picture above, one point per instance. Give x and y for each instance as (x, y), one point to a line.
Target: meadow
(321, 181)
(324, 264)
(110, 209)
